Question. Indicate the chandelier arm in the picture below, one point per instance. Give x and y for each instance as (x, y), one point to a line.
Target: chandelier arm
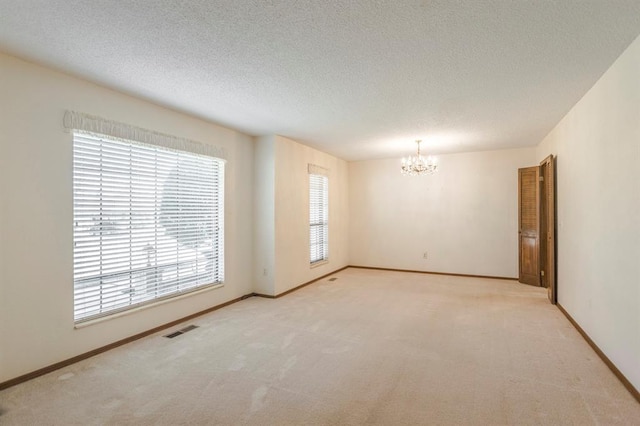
(415, 165)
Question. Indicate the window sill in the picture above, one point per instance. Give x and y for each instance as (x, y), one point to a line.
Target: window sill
(319, 263)
(87, 323)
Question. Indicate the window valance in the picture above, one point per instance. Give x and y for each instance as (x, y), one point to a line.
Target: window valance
(318, 170)
(97, 126)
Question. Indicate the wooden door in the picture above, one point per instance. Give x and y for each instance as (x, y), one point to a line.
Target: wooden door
(528, 225)
(548, 227)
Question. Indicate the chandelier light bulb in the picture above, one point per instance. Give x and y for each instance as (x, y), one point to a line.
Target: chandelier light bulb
(416, 165)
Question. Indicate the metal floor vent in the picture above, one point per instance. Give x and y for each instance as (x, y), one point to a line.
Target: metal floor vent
(181, 331)
(333, 279)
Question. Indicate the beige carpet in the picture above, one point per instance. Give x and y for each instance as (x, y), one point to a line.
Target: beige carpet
(371, 347)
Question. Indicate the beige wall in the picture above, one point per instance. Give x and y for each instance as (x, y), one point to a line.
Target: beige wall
(464, 216)
(36, 252)
(264, 216)
(292, 214)
(598, 195)
(282, 214)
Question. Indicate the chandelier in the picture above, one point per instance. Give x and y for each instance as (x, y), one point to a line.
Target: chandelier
(417, 165)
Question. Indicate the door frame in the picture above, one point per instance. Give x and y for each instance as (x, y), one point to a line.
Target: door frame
(548, 252)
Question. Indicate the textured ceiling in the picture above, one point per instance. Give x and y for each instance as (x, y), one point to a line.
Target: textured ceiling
(356, 78)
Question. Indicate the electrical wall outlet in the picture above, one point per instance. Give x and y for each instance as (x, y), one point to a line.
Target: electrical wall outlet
(425, 255)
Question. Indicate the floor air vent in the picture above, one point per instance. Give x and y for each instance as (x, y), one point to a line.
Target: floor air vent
(333, 279)
(181, 331)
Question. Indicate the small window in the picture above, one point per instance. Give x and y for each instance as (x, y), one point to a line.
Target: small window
(148, 223)
(319, 217)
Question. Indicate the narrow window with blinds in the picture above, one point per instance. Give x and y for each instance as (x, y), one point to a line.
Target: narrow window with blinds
(148, 224)
(318, 218)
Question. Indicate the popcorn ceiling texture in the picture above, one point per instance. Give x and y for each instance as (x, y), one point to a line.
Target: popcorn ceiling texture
(359, 79)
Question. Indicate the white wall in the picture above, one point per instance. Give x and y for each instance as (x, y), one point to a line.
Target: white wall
(264, 219)
(292, 214)
(464, 216)
(36, 272)
(281, 240)
(598, 195)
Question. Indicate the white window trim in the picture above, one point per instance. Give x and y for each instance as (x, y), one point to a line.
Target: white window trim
(151, 304)
(315, 170)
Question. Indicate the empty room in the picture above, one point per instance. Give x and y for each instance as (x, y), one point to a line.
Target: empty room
(302, 212)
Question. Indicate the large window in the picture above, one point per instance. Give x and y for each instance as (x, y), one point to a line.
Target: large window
(318, 217)
(148, 223)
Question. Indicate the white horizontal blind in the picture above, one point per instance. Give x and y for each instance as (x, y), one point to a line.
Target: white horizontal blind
(148, 223)
(319, 217)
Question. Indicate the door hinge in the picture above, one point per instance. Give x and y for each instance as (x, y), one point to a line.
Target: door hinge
(541, 178)
(542, 273)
